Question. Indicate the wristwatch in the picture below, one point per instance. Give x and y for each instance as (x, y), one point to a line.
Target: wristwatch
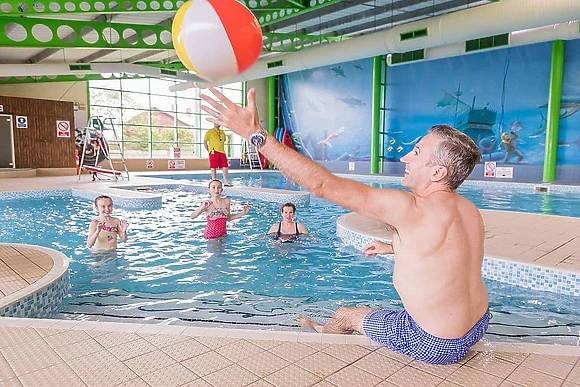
(258, 139)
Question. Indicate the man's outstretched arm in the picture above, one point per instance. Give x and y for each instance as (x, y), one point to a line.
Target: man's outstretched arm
(385, 205)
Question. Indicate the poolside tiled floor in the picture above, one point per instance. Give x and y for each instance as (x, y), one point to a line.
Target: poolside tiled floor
(37, 352)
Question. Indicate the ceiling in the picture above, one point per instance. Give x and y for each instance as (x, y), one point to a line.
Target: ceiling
(64, 32)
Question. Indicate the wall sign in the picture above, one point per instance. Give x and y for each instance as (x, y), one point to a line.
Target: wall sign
(62, 128)
(21, 122)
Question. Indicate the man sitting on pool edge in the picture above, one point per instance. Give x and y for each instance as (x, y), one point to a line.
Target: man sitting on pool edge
(437, 240)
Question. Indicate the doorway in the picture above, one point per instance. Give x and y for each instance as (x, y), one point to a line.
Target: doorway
(6, 142)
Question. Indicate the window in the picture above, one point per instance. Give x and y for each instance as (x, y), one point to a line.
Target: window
(150, 120)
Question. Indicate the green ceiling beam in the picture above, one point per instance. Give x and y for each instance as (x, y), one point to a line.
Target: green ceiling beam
(65, 78)
(267, 11)
(52, 7)
(269, 15)
(295, 42)
(52, 33)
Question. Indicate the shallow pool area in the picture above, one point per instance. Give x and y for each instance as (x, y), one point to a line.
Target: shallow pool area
(168, 272)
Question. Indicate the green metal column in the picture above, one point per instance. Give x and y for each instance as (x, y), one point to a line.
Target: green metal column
(376, 111)
(553, 119)
(271, 105)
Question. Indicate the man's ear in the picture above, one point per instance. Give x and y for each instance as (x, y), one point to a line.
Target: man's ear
(439, 173)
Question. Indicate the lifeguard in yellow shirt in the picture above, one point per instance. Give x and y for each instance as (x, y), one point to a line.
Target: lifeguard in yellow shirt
(214, 142)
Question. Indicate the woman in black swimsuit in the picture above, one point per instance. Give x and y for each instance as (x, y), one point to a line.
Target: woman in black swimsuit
(287, 230)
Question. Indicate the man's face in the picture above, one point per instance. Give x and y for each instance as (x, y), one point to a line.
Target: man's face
(417, 173)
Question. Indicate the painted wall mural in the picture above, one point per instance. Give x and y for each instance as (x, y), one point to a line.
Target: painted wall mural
(328, 110)
(569, 131)
(499, 98)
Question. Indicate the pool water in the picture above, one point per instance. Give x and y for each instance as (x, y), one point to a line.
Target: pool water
(167, 272)
(490, 196)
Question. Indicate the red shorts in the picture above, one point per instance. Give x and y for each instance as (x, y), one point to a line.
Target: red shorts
(218, 160)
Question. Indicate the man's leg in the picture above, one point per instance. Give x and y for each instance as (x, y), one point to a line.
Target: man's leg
(225, 172)
(213, 174)
(345, 320)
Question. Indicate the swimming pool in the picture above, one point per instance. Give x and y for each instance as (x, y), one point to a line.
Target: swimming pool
(168, 272)
(492, 195)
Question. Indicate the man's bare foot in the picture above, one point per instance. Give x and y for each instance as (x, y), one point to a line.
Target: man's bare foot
(306, 322)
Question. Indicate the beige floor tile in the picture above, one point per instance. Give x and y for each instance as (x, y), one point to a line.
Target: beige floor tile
(10, 383)
(162, 341)
(263, 383)
(66, 337)
(394, 355)
(233, 375)
(207, 363)
(58, 375)
(138, 382)
(293, 351)
(353, 376)
(172, 376)
(507, 383)
(264, 364)
(149, 362)
(78, 349)
(548, 365)
(441, 371)
(12, 336)
(532, 378)
(570, 384)
(197, 383)
(512, 357)
(25, 359)
(487, 362)
(6, 371)
(132, 349)
(240, 350)
(379, 365)
(292, 376)
(409, 376)
(185, 349)
(92, 362)
(215, 342)
(266, 344)
(574, 375)
(112, 339)
(470, 377)
(347, 353)
(110, 376)
(321, 364)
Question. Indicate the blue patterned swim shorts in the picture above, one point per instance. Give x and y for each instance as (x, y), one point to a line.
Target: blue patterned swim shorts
(396, 330)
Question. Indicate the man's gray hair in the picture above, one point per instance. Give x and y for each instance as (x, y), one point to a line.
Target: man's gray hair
(456, 151)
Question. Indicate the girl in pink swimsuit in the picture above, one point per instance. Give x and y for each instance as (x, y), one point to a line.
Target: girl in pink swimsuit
(217, 212)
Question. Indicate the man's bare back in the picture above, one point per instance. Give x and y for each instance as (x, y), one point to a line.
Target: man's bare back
(438, 265)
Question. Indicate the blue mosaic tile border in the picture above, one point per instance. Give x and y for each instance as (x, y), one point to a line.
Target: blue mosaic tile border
(44, 303)
(16, 195)
(514, 273)
(299, 198)
(128, 203)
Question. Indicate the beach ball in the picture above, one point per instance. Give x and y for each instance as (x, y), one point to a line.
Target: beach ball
(216, 39)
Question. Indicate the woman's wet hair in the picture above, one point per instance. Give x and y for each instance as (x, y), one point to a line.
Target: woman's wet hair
(291, 205)
(102, 197)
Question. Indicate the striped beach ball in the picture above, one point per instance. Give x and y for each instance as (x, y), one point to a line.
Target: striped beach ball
(216, 39)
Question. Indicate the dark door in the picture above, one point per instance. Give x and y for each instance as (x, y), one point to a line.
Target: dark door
(6, 142)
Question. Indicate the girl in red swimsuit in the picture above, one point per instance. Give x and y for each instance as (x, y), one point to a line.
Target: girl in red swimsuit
(217, 211)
